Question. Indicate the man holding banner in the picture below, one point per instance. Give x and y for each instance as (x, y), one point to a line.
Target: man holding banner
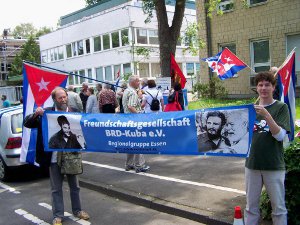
(53, 160)
(265, 164)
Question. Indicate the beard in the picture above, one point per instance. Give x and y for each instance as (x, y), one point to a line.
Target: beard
(214, 136)
(61, 106)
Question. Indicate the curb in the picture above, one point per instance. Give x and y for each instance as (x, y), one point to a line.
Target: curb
(149, 202)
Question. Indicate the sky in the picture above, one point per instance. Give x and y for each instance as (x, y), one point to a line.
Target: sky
(38, 12)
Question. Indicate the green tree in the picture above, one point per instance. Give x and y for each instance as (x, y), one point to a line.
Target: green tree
(43, 31)
(30, 52)
(25, 30)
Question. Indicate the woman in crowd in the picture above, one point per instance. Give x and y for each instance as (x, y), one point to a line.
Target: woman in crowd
(177, 89)
(152, 94)
(107, 100)
(92, 103)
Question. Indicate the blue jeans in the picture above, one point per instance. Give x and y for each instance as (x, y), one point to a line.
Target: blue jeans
(56, 181)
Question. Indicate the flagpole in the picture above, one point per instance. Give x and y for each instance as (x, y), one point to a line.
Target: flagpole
(61, 71)
(279, 68)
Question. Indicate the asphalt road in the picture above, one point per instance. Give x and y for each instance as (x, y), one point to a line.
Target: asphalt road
(26, 200)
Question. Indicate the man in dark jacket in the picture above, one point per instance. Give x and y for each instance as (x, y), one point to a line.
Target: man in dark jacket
(64, 138)
(51, 160)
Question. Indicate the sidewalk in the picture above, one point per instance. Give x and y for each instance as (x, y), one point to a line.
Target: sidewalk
(183, 195)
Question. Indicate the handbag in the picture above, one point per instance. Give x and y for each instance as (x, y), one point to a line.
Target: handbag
(173, 106)
(71, 163)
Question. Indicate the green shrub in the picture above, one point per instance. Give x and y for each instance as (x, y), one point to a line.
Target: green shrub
(292, 186)
(213, 89)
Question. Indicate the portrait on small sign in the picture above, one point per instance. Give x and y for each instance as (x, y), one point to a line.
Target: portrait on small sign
(223, 131)
(65, 132)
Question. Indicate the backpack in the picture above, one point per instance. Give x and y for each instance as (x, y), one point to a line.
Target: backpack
(154, 106)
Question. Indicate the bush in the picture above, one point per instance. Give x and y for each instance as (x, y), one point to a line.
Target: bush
(292, 186)
(213, 89)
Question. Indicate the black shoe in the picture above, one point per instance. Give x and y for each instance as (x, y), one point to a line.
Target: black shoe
(128, 168)
(142, 169)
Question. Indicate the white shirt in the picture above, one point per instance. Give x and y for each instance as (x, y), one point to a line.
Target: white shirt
(148, 99)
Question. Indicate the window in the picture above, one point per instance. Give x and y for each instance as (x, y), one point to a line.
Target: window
(106, 42)
(56, 54)
(253, 2)
(90, 75)
(76, 78)
(231, 47)
(2, 67)
(74, 48)
(70, 79)
(153, 37)
(155, 69)
(87, 46)
(99, 73)
(293, 41)
(260, 57)
(108, 73)
(117, 71)
(44, 56)
(144, 69)
(60, 52)
(226, 5)
(80, 47)
(126, 68)
(69, 51)
(97, 44)
(52, 55)
(81, 79)
(124, 37)
(115, 39)
(141, 36)
(190, 69)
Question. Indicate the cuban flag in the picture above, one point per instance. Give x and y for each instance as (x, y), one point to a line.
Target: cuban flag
(38, 84)
(287, 80)
(225, 64)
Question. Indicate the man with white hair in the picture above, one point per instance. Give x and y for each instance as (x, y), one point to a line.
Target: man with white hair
(74, 99)
(144, 84)
(132, 104)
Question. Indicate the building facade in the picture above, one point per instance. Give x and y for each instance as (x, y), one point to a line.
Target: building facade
(9, 48)
(261, 33)
(111, 38)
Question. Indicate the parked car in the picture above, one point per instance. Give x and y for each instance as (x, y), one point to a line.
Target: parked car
(11, 122)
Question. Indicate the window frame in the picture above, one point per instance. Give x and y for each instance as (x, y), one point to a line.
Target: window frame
(254, 65)
(225, 3)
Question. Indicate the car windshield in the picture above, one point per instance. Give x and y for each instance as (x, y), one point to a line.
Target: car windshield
(16, 123)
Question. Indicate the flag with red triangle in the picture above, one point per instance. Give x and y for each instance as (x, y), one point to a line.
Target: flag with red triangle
(38, 83)
(287, 81)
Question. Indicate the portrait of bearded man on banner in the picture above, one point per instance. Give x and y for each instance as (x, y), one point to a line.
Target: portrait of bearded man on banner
(224, 131)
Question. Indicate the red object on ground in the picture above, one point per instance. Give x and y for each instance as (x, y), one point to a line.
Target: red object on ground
(237, 212)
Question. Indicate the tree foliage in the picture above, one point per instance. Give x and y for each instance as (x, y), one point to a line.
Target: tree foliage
(25, 30)
(30, 52)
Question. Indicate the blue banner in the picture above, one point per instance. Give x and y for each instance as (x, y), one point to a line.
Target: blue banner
(225, 131)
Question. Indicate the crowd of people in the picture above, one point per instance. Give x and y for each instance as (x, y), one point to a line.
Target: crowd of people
(264, 166)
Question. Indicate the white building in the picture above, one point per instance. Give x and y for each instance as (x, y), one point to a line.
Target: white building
(98, 42)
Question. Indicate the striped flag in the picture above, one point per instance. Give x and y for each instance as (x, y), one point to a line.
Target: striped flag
(287, 80)
(38, 84)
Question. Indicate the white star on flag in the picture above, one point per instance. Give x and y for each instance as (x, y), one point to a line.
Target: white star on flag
(43, 85)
